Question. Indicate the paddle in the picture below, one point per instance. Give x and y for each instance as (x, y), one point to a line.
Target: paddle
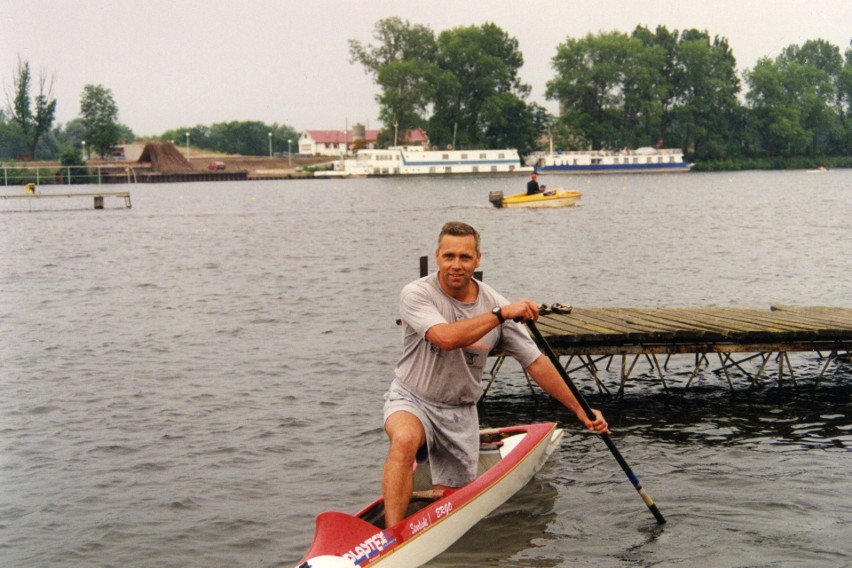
(588, 410)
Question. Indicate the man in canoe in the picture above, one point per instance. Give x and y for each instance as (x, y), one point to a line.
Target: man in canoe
(450, 324)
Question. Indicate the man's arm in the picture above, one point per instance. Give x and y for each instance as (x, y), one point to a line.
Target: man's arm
(462, 333)
(548, 378)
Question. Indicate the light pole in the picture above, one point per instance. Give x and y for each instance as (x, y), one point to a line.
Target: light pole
(187, 144)
(270, 144)
(84, 150)
(289, 154)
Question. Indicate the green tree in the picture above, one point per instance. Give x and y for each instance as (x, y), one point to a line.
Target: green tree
(99, 114)
(73, 165)
(467, 79)
(821, 64)
(617, 90)
(199, 136)
(402, 64)
(248, 138)
(32, 118)
(671, 76)
(11, 144)
(589, 83)
(72, 133)
(480, 91)
(845, 102)
(796, 101)
(708, 114)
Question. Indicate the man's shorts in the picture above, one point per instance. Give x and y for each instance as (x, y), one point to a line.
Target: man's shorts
(452, 435)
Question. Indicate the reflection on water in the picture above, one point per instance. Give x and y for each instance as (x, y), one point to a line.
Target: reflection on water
(812, 414)
(519, 526)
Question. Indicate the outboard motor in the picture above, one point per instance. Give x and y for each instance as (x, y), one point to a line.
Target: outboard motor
(496, 198)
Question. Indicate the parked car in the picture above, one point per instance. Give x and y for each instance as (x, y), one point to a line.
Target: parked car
(216, 166)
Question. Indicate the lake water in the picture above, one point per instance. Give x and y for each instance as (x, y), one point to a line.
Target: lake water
(190, 381)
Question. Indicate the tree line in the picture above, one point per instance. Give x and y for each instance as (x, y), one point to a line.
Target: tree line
(27, 131)
(462, 86)
(248, 138)
(615, 90)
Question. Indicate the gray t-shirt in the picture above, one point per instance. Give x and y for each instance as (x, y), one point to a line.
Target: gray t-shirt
(452, 377)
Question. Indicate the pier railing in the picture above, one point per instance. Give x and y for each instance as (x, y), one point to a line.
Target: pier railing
(67, 175)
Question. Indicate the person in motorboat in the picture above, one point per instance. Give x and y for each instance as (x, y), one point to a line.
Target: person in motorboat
(450, 324)
(532, 185)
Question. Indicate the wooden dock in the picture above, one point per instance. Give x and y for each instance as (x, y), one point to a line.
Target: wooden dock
(594, 337)
(97, 197)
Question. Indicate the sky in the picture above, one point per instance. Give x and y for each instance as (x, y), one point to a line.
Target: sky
(179, 63)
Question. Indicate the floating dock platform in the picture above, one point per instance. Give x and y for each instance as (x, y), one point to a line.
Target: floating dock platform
(594, 337)
(97, 197)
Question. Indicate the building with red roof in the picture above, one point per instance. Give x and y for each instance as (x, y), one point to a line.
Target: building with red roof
(337, 142)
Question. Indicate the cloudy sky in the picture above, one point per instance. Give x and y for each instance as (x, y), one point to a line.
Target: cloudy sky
(175, 63)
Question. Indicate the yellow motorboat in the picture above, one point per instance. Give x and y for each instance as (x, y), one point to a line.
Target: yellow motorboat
(554, 198)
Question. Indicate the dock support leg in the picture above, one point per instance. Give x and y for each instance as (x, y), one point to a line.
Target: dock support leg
(625, 373)
(828, 361)
(785, 356)
(755, 380)
(593, 369)
(655, 363)
(725, 370)
(494, 369)
(699, 359)
(529, 382)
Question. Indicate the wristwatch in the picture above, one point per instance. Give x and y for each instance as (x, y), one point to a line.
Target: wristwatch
(498, 311)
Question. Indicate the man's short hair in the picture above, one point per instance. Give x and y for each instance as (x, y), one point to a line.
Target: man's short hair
(458, 229)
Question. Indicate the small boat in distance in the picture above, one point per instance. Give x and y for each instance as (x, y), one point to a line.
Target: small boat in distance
(556, 198)
(415, 161)
(508, 459)
(641, 160)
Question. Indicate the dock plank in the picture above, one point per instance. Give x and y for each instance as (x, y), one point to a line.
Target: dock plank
(593, 332)
(701, 326)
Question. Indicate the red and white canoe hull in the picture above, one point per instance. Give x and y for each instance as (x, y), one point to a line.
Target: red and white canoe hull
(343, 540)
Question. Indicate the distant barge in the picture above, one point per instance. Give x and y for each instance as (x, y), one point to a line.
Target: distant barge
(641, 160)
(415, 161)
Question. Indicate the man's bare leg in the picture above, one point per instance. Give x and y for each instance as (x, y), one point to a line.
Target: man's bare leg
(406, 436)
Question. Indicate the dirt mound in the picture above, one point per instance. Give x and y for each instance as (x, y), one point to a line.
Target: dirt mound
(165, 157)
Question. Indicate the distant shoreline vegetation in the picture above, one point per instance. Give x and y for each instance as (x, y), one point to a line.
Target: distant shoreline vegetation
(776, 163)
(462, 86)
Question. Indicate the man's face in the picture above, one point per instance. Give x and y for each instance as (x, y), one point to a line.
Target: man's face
(457, 260)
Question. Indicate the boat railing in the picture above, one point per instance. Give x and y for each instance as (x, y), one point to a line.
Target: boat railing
(607, 153)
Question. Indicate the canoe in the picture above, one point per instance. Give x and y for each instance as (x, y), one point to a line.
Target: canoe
(556, 198)
(508, 458)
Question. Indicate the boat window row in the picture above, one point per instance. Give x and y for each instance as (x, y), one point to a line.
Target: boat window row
(617, 161)
(648, 160)
(482, 156)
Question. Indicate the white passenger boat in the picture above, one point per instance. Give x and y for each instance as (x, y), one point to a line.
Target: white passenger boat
(641, 160)
(415, 161)
(508, 459)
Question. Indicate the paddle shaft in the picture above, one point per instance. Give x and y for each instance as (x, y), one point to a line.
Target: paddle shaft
(591, 415)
